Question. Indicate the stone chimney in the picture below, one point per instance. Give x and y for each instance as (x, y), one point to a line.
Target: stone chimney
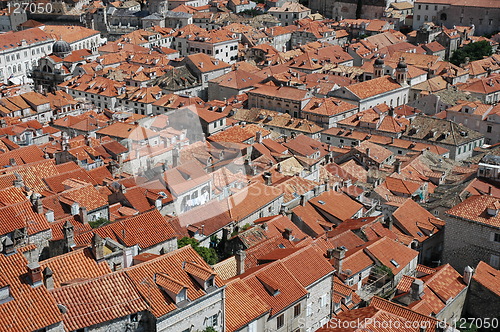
(368, 152)
(49, 215)
(258, 137)
(75, 208)
(468, 272)
(329, 253)
(34, 274)
(69, 234)
(303, 200)
(84, 218)
(48, 278)
(38, 206)
(417, 289)
(338, 256)
(490, 190)
(98, 247)
(397, 165)
(12, 162)
(8, 247)
(390, 223)
(288, 234)
(240, 262)
(18, 182)
(264, 226)
(268, 178)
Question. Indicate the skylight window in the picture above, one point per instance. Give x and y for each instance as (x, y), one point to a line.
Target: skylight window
(393, 262)
(420, 234)
(321, 202)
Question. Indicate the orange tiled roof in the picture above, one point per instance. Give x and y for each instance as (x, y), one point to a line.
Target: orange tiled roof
(386, 250)
(275, 286)
(488, 276)
(31, 308)
(240, 295)
(143, 275)
(98, 300)
(79, 264)
(475, 208)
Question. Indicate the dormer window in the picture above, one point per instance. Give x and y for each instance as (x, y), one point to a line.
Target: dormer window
(182, 296)
(175, 289)
(202, 275)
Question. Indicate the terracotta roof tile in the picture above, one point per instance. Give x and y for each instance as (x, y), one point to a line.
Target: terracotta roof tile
(143, 275)
(98, 300)
(31, 308)
(275, 286)
(488, 276)
(79, 264)
(240, 295)
(386, 250)
(475, 208)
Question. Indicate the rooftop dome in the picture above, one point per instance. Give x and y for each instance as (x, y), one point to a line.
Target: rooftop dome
(379, 61)
(61, 46)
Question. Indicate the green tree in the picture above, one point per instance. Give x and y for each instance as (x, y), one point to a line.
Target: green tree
(473, 51)
(99, 222)
(208, 254)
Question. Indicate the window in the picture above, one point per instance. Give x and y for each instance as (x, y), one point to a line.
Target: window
(213, 320)
(495, 261)
(280, 321)
(296, 310)
(488, 129)
(496, 237)
(309, 310)
(322, 300)
(418, 17)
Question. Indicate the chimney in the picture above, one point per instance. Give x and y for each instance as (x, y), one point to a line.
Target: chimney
(34, 274)
(368, 152)
(38, 205)
(18, 182)
(468, 272)
(48, 278)
(338, 255)
(390, 223)
(49, 215)
(329, 253)
(258, 137)
(83, 215)
(268, 178)
(175, 157)
(287, 234)
(12, 162)
(240, 262)
(278, 168)
(69, 234)
(75, 208)
(264, 226)
(398, 166)
(97, 247)
(8, 247)
(417, 289)
(303, 200)
(490, 190)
